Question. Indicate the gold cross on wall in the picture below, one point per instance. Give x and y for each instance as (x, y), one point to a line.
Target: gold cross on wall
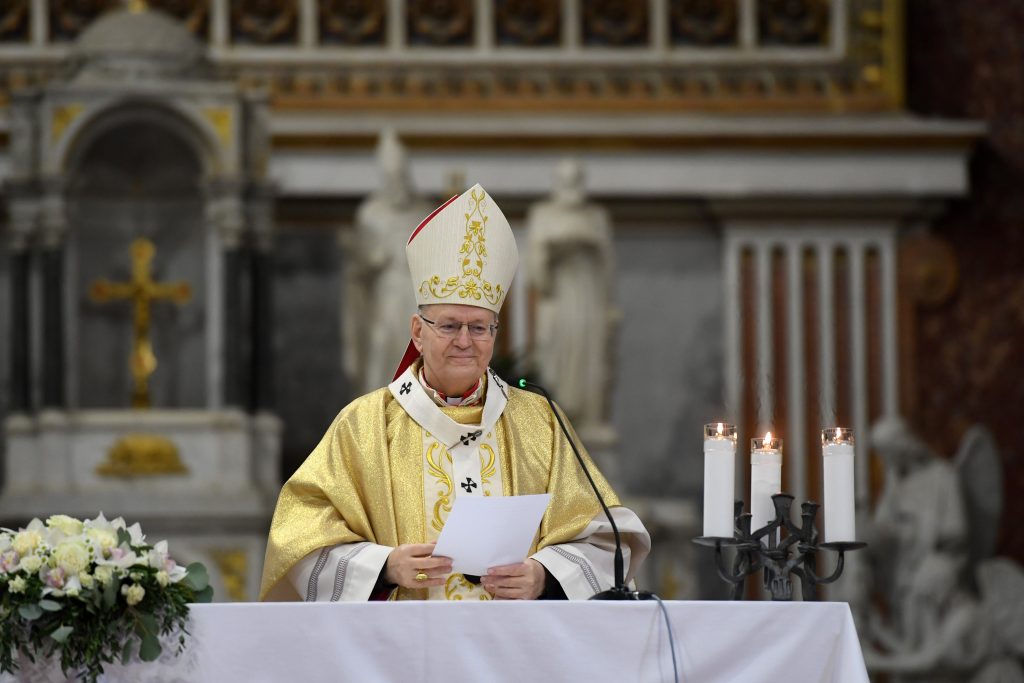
(142, 291)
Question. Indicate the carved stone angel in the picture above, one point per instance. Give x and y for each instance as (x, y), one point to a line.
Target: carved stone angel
(571, 271)
(377, 294)
(952, 611)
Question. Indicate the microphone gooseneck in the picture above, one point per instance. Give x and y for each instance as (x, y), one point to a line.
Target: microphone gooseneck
(619, 590)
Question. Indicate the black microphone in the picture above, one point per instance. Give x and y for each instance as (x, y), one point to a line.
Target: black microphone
(619, 591)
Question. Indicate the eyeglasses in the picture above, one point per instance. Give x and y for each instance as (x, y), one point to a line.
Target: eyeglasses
(451, 329)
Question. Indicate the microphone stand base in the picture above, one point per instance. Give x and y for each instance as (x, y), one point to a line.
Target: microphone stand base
(623, 594)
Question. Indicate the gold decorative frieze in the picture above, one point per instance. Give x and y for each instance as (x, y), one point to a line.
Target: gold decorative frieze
(620, 55)
(439, 22)
(793, 22)
(352, 22)
(264, 22)
(615, 23)
(703, 23)
(142, 455)
(68, 18)
(195, 14)
(528, 22)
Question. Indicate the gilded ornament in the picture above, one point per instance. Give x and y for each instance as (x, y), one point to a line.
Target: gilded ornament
(440, 22)
(68, 18)
(528, 22)
(793, 22)
(142, 455)
(63, 116)
(234, 570)
(473, 253)
(264, 21)
(352, 22)
(703, 22)
(142, 291)
(14, 21)
(615, 22)
(193, 13)
(223, 122)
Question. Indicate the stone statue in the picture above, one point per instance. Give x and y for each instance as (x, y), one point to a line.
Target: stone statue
(952, 611)
(571, 269)
(377, 293)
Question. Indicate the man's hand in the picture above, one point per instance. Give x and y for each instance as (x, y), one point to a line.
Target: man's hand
(523, 581)
(406, 561)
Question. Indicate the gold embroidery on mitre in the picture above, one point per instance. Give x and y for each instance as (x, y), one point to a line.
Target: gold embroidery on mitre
(473, 253)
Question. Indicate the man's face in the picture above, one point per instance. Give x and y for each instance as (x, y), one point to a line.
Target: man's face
(453, 365)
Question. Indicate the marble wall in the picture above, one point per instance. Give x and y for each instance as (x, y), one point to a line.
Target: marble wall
(668, 379)
(965, 62)
(310, 386)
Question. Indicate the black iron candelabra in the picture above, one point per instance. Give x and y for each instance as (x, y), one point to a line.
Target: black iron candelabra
(795, 553)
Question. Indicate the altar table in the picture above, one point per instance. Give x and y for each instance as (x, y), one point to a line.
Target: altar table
(454, 642)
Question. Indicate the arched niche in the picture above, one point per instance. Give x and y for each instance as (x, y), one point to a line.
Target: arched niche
(137, 171)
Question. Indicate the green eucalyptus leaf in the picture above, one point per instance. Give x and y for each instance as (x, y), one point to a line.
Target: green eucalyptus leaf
(197, 579)
(145, 624)
(110, 594)
(205, 595)
(30, 612)
(50, 605)
(61, 634)
(149, 650)
(126, 652)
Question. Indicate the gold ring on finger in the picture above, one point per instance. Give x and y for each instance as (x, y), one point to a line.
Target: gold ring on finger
(422, 576)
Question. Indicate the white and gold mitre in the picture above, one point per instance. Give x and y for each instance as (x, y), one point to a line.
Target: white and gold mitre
(463, 253)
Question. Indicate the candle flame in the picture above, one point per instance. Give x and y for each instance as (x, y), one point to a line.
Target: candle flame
(839, 433)
(721, 428)
(767, 438)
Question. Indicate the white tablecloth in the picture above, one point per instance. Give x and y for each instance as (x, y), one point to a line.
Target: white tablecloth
(514, 641)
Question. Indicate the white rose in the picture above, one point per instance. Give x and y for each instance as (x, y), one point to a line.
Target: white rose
(66, 525)
(104, 575)
(163, 578)
(30, 564)
(26, 541)
(72, 556)
(133, 594)
(17, 585)
(103, 539)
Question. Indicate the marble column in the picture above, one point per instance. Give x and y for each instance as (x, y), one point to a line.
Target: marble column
(261, 371)
(227, 219)
(23, 216)
(51, 264)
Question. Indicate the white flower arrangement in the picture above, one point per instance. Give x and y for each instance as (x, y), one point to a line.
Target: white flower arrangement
(89, 591)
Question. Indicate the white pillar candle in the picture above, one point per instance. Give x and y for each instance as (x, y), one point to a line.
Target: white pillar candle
(765, 480)
(837, 456)
(719, 479)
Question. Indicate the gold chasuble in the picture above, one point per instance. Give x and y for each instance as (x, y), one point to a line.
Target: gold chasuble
(392, 463)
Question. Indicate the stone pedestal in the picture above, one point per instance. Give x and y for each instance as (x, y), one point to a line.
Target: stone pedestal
(206, 480)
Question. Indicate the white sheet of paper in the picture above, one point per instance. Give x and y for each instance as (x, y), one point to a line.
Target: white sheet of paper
(484, 532)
